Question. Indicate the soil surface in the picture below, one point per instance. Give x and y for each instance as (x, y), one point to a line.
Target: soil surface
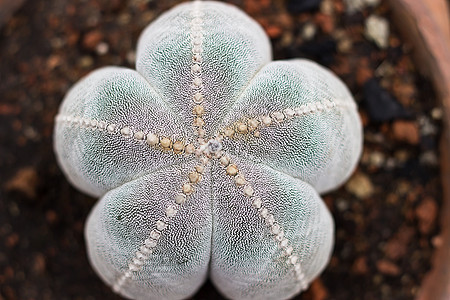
(385, 215)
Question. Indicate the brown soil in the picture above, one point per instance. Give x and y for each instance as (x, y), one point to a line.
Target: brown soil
(386, 215)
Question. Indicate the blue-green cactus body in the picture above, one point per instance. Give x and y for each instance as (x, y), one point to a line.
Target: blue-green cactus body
(245, 260)
(208, 160)
(122, 220)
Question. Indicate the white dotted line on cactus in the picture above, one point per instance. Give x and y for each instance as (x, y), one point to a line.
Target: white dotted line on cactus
(274, 227)
(152, 139)
(254, 125)
(196, 71)
(148, 246)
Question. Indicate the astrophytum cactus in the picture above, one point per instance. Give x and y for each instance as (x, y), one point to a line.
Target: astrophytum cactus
(208, 160)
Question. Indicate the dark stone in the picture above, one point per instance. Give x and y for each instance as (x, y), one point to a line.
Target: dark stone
(428, 142)
(322, 50)
(298, 6)
(380, 105)
(413, 171)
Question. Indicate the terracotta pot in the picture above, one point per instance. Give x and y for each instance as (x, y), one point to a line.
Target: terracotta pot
(426, 25)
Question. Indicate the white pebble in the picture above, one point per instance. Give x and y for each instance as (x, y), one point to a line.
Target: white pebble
(377, 30)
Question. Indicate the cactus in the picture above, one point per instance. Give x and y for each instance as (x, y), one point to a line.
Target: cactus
(208, 160)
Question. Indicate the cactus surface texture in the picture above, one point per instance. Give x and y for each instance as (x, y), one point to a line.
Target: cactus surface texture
(208, 160)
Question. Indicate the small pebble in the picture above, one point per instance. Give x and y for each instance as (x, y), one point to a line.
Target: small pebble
(406, 131)
(92, 39)
(437, 113)
(380, 105)
(360, 185)
(327, 7)
(360, 265)
(296, 6)
(427, 127)
(353, 6)
(377, 30)
(131, 57)
(387, 267)
(377, 159)
(429, 158)
(342, 204)
(345, 45)
(24, 181)
(426, 213)
(86, 62)
(102, 48)
(309, 31)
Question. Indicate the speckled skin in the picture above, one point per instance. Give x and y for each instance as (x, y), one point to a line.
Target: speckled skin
(102, 141)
